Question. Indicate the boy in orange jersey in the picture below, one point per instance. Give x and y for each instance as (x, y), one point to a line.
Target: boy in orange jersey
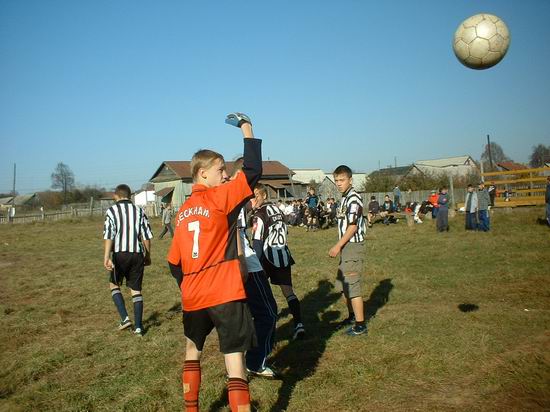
(204, 254)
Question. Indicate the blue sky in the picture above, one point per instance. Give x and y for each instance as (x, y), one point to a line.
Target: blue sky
(113, 88)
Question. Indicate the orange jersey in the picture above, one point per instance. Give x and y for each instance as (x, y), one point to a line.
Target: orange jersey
(433, 200)
(205, 244)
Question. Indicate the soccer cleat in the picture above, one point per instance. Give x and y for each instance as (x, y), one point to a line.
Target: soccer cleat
(357, 330)
(299, 332)
(267, 373)
(138, 332)
(124, 324)
(237, 119)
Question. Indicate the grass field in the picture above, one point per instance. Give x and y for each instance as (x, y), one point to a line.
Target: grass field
(457, 321)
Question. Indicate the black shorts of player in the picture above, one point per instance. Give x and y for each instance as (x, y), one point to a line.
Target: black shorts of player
(313, 212)
(232, 321)
(277, 276)
(128, 266)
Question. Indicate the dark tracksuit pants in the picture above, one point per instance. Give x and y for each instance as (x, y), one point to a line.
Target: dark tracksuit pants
(471, 221)
(483, 217)
(442, 219)
(264, 312)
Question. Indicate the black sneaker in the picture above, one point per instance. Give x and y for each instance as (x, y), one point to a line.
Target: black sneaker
(138, 332)
(357, 330)
(126, 323)
(299, 332)
(237, 119)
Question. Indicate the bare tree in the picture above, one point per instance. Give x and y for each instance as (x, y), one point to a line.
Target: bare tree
(497, 155)
(540, 156)
(63, 178)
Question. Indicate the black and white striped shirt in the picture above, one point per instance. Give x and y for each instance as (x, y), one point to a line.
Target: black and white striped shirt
(270, 229)
(351, 213)
(127, 225)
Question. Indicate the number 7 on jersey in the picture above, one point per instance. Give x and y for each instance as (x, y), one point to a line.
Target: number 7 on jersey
(195, 227)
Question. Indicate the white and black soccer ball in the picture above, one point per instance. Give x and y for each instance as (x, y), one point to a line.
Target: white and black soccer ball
(481, 41)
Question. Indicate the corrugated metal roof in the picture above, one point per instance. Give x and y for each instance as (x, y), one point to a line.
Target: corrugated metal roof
(445, 162)
(511, 166)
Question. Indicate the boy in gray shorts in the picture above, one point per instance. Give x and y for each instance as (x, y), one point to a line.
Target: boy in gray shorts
(351, 247)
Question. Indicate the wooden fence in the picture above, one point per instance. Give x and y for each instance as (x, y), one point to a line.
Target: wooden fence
(524, 187)
(52, 216)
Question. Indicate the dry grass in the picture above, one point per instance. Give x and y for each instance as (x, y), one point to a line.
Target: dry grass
(61, 351)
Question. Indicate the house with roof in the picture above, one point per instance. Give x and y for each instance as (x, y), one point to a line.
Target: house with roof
(172, 181)
(145, 195)
(324, 182)
(458, 166)
(31, 200)
(510, 166)
(393, 173)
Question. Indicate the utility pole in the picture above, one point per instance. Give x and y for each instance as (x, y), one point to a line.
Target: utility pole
(13, 189)
(395, 161)
(489, 149)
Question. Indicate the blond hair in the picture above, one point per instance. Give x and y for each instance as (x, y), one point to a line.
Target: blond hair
(203, 159)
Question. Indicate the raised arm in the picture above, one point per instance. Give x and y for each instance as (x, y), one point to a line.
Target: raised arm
(252, 156)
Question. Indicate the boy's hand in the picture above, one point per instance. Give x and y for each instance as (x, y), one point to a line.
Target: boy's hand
(237, 119)
(108, 264)
(147, 260)
(334, 251)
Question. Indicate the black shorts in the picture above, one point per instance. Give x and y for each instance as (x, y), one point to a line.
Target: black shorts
(313, 212)
(232, 321)
(277, 276)
(130, 266)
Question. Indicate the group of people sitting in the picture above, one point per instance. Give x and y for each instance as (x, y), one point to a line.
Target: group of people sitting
(388, 211)
(310, 213)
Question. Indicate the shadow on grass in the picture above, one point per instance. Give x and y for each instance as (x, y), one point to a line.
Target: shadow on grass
(156, 318)
(299, 359)
(378, 298)
(467, 307)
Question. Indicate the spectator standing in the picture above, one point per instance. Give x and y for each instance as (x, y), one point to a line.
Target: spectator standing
(396, 198)
(442, 220)
(492, 193)
(312, 200)
(167, 221)
(470, 207)
(547, 199)
(434, 196)
(483, 202)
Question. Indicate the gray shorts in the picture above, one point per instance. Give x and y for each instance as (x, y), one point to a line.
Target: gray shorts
(348, 279)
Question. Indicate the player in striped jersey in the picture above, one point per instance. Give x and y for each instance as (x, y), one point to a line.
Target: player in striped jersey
(270, 244)
(351, 248)
(127, 234)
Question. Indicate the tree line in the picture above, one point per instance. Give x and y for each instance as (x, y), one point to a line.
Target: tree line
(384, 183)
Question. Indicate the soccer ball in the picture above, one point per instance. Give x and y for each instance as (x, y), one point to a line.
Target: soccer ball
(481, 41)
